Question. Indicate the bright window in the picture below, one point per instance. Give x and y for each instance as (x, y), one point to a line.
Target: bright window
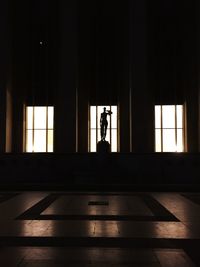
(169, 128)
(39, 129)
(112, 130)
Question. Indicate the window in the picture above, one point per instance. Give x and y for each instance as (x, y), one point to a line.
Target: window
(169, 128)
(112, 130)
(39, 129)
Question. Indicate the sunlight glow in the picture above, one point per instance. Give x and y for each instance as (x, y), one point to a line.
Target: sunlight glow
(40, 141)
(29, 117)
(95, 135)
(168, 116)
(50, 117)
(158, 140)
(157, 116)
(39, 129)
(169, 142)
(169, 130)
(50, 141)
(40, 116)
(179, 112)
(29, 140)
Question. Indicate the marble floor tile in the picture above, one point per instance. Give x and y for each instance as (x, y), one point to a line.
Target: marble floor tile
(120, 229)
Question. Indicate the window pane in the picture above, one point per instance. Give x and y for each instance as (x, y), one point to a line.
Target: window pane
(179, 112)
(36, 140)
(114, 116)
(180, 140)
(168, 116)
(99, 111)
(108, 135)
(29, 141)
(108, 108)
(98, 135)
(29, 118)
(93, 141)
(93, 117)
(114, 140)
(50, 140)
(40, 117)
(169, 143)
(158, 140)
(157, 116)
(50, 117)
(40, 141)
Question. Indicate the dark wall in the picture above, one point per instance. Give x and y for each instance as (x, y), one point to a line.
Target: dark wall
(198, 71)
(172, 49)
(163, 171)
(34, 60)
(5, 68)
(142, 94)
(43, 38)
(103, 64)
(72, 54)
(65, 92)
(173, 59)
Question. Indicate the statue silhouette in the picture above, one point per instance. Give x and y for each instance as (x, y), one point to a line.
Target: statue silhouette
(104, 123)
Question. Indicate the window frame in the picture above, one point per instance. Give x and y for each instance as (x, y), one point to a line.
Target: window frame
(176, 128)
(110, 128)
(47, 129)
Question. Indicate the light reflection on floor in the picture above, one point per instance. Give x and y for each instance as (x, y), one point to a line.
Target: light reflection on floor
(117, 230)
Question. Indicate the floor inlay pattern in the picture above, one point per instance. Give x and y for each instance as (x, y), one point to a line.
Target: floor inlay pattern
(42, 229)
(195, 198)
(160, 213)
(7, 196)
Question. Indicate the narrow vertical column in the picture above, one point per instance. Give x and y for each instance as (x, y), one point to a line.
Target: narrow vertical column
(20, 70)
(123, 44)
(2, 114)
(191, 74)
(198, 73)
(83, 120)
(65, 106)
(124, 116)
(142, 99)
(5, 73)
(85, 49)
(192, 120)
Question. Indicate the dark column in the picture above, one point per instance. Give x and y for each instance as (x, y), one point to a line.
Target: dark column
(83, 119)
(124, 118)
(5, 63)
(9, 119)
(198, 68)
(191, 74)
(199, 117)
(65, 107)
(85, 67)
(124, 81)
(192, 120)
(20, 71)
(142, 100)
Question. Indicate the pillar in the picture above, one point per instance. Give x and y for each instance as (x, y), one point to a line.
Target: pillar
(142, 99)
(65, 103)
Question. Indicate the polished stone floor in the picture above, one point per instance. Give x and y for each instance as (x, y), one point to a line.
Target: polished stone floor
(45, 229)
